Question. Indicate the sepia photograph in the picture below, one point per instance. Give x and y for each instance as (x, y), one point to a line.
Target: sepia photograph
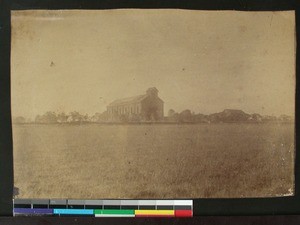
(153, 103)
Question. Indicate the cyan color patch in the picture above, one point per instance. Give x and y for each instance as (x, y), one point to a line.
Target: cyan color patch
(74, 211)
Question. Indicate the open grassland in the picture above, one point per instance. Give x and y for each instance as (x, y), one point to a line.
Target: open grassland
(153, 161)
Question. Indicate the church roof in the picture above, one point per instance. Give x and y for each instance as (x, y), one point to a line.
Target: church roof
(123, 101)
(152, 89)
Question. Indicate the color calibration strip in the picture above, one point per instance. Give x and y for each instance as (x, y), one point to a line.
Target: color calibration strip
(103, 208)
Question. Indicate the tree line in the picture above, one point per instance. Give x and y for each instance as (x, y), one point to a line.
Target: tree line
(185, 116)
(53, 117)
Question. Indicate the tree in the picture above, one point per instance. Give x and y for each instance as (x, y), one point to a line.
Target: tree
(62, 117)
(48, 117)
(99, 117)
(86, 117)
(171, 113)
(76, 117)
(186, 116)
(173, 116)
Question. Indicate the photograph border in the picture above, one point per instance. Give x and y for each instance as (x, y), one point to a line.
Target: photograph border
(201, 206)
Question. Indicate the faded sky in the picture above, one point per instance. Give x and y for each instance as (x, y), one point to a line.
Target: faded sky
(198, 60)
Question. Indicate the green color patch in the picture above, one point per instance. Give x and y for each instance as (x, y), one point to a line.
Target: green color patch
(114, 211)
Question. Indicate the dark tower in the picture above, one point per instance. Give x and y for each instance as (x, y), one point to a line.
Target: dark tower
(153, 92)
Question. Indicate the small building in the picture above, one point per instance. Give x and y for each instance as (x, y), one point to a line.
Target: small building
(146, 107)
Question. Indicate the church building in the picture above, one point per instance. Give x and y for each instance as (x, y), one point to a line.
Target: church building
(146, 107)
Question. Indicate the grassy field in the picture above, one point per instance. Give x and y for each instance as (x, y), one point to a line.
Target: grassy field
(153, 161)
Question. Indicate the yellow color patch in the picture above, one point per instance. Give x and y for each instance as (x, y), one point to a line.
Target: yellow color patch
(155, 212)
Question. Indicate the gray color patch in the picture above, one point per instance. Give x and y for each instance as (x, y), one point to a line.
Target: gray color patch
(111, 202)
(129, 202)
(58, 202)
(22, 201)
(40, 201)
(76, 202)
(93, 202)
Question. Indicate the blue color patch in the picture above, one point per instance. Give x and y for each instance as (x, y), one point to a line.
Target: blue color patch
(32, 211)
(74, 211)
